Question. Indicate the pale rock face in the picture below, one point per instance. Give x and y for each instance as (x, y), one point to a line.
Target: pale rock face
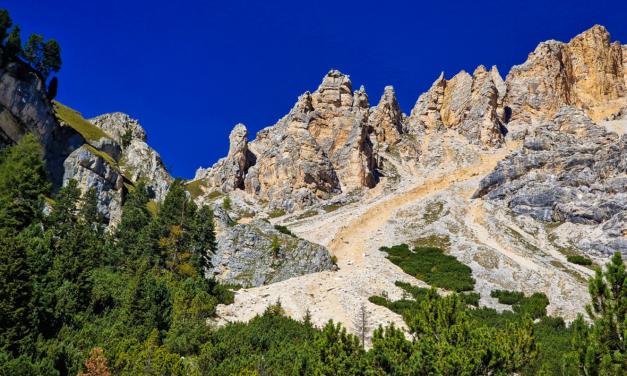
(291, 169)
(117, 124)
(138, 161)
(386, 119)
(229, 173)
(586, 72)
(92, 171)
(426, 113)
(482, 126)
(468, 105)
(340, 126)
(625, 63)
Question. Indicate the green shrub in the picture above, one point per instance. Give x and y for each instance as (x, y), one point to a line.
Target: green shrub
(275, 246)
(284, 230)
(431, 265)
(507, 297)
(471, 298)
(226, 203)
(334, 259)
(579, 260)
(534, 306)
(233, 224)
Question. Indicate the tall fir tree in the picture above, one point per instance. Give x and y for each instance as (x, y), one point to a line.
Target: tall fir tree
(601, 349)
(14, 41)
(16, 290)
(33, 51)
(51, 60)
(5, 24)
(23, 184)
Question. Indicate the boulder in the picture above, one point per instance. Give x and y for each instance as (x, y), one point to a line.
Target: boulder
(245, 254)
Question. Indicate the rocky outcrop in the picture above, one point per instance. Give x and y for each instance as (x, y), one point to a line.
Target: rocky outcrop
(586, 72)
(246, 256)
(339, 124)
(386, 118)
(320, 148)
(291, 168)
(95, 170)
(472, 106)
(24, 106)
(569, 169)
(229, 173)
(137, 161)
(117, 124)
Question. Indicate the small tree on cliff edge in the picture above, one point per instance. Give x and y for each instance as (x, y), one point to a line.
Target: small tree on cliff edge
(45, 57)
(5, 24)
(14, 41)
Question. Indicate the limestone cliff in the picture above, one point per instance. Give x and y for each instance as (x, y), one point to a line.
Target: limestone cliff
(587, 72)
(469, 105)
(569, 169)
(138, 161)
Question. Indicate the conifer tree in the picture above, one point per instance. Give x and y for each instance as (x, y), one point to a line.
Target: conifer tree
(23, 183)
(15, 292)
(14, 41)
(51, 61)
(5, 24)
(33, 51)
(601, 349)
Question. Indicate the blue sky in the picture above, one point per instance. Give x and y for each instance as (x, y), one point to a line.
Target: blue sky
(191, 70)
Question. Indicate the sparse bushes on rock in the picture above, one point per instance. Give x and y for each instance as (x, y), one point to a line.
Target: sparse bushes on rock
(579, 260)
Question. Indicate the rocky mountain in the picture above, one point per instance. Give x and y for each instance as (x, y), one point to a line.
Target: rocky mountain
(509, 176)
(90, 152)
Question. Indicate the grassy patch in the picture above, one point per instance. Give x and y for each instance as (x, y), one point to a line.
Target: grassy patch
(579, 260)
(232, 224)
(355, 192)
(195, 188)
(437, 241)
(153, 207)
(307, 214)
(106, 157)
(276, 212)
(431, 265)
(75, 120)
(333, 207)
(334, 259)
(284, 230)
(433, 212)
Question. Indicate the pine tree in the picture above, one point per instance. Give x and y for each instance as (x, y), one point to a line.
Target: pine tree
(15, 292)
(51, 61)
(5, 24)
(33, 51)
(14, 41)
(601, 349)
(23, 183)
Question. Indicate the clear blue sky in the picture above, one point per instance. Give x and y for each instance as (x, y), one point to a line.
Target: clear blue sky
(191, 70)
